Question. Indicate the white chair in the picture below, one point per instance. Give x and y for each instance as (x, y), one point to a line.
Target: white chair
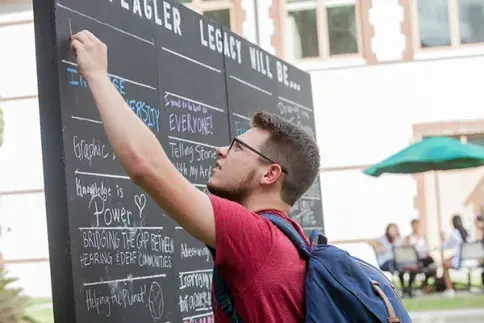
(405, 256)
(471, 257)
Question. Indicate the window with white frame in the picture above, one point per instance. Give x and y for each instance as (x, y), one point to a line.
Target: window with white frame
(322, 28)
(221, 11)
(448, 23)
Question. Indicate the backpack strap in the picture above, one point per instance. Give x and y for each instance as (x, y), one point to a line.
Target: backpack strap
(224, 297)
(316, 234)
(290, 232)
(222, 293)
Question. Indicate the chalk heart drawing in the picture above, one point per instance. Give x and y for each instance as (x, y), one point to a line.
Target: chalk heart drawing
(140, 201)
(155, 301)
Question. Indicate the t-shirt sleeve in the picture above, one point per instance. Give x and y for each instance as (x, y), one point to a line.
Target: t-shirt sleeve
(453, 241)
(243, 238)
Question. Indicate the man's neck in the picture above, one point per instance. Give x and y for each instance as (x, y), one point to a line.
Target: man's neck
(260, 202)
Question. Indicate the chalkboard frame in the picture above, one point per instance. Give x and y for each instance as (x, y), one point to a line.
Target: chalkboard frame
(53, 162)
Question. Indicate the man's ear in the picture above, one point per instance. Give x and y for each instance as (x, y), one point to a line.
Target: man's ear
(272, 174)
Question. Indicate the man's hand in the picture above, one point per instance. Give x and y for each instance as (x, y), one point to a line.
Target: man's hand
(92, 58)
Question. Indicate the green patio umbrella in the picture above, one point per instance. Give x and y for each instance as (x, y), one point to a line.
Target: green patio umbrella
(435, 153)
(431, 154)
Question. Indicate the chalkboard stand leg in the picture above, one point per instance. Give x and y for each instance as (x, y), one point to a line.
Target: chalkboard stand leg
(53, 156)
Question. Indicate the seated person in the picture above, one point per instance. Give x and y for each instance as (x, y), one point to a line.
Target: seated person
(384, 247)
(418, 241)
(480, 226)
(384, 250)
(457, 236)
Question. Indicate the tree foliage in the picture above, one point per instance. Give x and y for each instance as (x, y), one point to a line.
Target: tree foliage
(12, 302)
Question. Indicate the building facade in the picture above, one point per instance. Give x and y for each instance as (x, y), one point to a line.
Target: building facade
(384, 73)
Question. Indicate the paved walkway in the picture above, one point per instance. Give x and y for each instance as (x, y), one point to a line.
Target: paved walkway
(449, 316)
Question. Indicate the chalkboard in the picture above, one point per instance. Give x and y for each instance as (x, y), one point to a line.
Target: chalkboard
(295, 104)
(115, 256)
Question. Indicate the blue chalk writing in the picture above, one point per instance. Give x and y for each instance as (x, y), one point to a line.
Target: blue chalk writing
(241, 127)
(149, 115)
(119, 85)
(186, 119)
(192, 124)
(76, 79)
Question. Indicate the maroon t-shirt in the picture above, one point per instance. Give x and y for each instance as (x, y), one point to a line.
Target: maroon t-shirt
(261, 266)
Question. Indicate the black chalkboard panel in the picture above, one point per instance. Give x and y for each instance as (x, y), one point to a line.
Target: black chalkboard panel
(295, 104)
(115, 256)
(251, 84)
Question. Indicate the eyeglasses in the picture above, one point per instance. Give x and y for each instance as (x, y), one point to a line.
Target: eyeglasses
(284, 170)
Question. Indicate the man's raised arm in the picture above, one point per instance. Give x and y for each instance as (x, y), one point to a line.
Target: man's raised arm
(139, 151)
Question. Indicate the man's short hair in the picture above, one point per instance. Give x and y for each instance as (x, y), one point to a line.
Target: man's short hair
(294, 149)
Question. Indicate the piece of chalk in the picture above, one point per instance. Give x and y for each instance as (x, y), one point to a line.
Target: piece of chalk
(70, 26)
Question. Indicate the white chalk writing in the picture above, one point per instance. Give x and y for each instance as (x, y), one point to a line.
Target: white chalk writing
(189, 252)
(87, 150)
(195, 302)
(121, 297)
(92, 189)
(199, 279)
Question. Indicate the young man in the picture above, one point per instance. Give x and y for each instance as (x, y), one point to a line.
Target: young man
(266, 169)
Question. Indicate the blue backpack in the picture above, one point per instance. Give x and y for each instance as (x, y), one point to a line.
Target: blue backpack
(338, 287)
